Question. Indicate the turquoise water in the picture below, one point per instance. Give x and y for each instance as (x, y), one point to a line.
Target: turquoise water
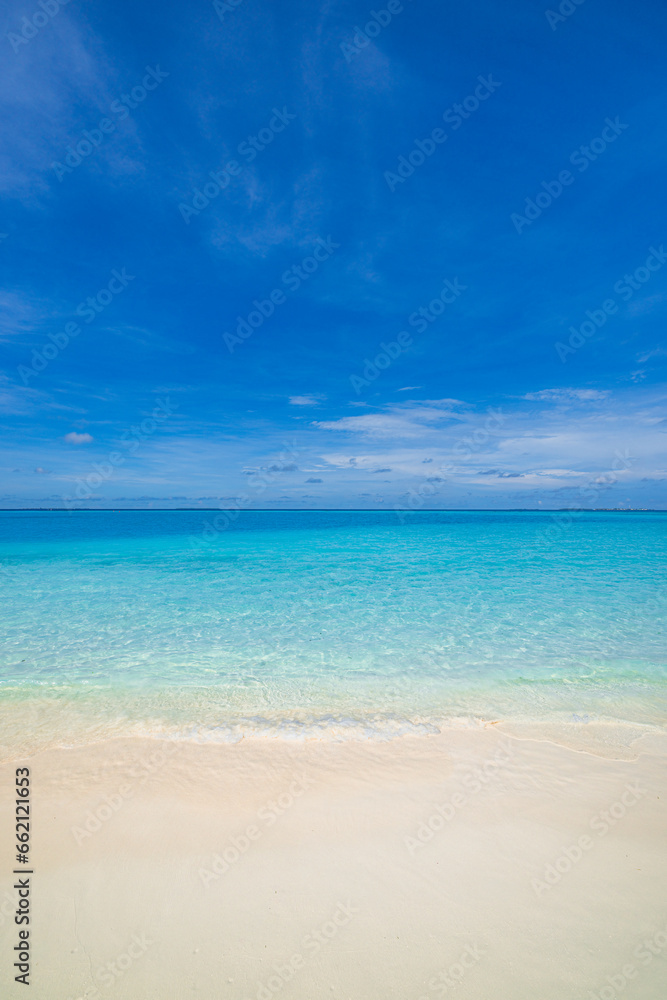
(302, 621)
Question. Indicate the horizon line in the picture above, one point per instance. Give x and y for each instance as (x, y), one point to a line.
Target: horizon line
(363, 510)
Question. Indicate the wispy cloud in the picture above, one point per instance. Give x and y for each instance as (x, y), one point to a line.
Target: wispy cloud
(18, 314)
(568, 395)
(305, 400)
(409, 420)
(322, 175)
(75, 438)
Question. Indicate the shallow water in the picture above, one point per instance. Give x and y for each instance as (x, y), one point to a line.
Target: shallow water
(329, 623)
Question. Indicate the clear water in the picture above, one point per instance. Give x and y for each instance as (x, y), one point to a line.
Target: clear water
(309, 621)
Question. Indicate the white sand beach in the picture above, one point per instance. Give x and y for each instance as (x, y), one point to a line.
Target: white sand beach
(472, 864)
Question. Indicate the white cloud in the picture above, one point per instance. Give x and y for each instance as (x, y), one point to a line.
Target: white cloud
(643, 306)
(532, 452)
(567, 395)
(411, 420)
(74, 438)
(18, 314)
(305, 400)
(657, 352)
(556, 473)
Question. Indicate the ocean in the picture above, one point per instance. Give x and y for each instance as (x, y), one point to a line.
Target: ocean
(205, 625)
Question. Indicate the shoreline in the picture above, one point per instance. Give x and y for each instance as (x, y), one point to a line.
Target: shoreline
(609, 720)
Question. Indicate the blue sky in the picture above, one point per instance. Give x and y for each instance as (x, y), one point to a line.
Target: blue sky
(471, 194)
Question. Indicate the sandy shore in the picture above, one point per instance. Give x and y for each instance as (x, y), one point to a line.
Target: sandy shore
(470, 864)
